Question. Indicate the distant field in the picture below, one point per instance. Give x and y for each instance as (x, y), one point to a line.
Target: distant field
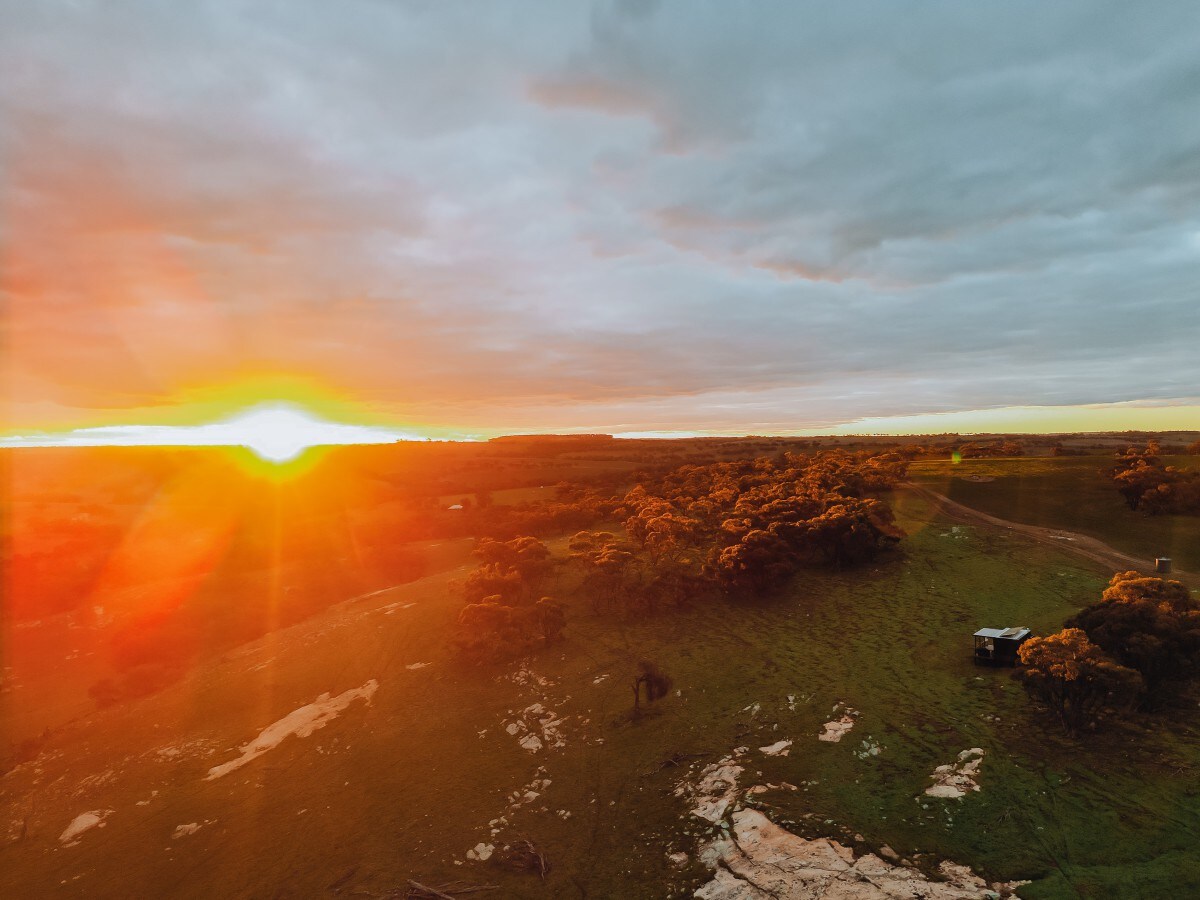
(404, 787)
(1069, 493)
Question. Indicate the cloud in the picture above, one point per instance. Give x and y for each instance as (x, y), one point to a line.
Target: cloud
(647, 215)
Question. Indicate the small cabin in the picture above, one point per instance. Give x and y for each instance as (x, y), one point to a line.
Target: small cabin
(999, 646)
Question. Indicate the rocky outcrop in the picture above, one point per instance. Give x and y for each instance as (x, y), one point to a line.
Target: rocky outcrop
(758, 860)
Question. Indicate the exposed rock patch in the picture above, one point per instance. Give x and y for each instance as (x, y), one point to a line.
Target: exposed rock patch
(189, 828)
(536, 727)
(391, 608)
(838, 728)
(481, 852)
(955, 780)
(83, 823)
(301, 722)
(752, 858)
(186, 750)
(716, 789)
(526, 676)
(761, 861)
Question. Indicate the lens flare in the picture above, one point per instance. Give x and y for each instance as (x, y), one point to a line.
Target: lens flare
(279, 434)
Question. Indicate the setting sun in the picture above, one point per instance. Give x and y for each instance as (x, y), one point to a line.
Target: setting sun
(277, 432)
(280, 433)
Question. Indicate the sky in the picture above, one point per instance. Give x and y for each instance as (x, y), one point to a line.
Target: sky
(466, 219)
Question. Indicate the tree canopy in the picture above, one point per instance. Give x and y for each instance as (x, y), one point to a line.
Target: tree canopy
(1074, 677)
(1149, 624)
(1150, 486)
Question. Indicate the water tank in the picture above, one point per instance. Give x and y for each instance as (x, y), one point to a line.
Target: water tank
(1162, 565)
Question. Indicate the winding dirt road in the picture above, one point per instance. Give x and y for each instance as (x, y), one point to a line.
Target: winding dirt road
(1071, 541)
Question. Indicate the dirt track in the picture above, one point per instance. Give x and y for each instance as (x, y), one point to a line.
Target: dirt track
(1079, 544)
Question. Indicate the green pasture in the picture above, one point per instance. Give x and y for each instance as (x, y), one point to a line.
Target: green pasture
(403, 788)
(1070, 493)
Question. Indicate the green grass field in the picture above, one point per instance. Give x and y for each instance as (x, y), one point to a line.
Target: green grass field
(1069, 493)
(403, 788)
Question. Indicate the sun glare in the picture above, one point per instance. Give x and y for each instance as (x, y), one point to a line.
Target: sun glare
(278, 434)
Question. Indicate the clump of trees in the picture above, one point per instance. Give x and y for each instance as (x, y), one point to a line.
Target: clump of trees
(1151, 487)
(514, 569)
(609, 568)
(491, 630)
(1151, 625)
(502, 619)
(767, 522)
(990, 450)
(1136, 646)
(757, 563)
(738, 528)
(1074, 677)
(741, 527)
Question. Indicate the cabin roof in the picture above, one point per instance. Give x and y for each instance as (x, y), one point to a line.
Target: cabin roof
(1008, 634)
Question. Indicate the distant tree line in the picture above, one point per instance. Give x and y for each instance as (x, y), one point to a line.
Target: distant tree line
(990, 449)
(1153, 488)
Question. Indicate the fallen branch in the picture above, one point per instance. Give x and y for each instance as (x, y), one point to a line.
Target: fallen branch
(674, 760)
(677, 759)
(418, 891)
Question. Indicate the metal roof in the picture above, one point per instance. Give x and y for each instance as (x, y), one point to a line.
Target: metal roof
(1010, 634)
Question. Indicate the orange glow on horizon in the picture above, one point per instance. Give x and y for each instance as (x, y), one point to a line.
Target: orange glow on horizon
(275, 432)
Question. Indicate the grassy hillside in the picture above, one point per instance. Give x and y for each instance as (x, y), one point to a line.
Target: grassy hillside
(404, 787)
(1068, 493)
